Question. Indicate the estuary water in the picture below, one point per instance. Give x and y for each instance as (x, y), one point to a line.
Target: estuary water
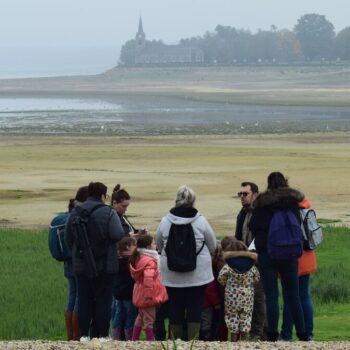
(152, 117)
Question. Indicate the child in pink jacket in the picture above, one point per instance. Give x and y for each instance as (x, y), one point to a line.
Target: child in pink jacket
(148, 291)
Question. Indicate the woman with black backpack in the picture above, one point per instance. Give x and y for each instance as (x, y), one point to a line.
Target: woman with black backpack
(185, 241)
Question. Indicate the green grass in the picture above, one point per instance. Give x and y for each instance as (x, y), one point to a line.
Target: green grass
(33, 288)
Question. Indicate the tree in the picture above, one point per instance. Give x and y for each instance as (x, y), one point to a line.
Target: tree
(315, 34)
(128, 52)
(342, 44)
(288, 47)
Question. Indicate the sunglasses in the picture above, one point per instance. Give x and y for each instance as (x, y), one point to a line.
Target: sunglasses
(242, 194)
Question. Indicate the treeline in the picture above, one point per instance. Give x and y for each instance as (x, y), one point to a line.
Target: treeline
(313, 38)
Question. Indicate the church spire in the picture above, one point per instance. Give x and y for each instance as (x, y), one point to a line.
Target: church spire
(140, 35)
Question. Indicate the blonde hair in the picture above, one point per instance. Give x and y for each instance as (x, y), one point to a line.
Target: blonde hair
(185, 197)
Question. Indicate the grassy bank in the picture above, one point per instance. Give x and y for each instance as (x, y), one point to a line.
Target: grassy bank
(33, 289)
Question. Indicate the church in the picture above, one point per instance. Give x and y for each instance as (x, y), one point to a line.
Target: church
(149, 53)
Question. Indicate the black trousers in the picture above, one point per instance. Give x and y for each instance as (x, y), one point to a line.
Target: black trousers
(185, 304)
(95, 303)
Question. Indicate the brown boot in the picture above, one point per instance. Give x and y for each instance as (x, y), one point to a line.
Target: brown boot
(76, 329)
(69, 324)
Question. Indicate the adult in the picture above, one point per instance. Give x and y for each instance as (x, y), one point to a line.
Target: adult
(95, 293)
(71, 312)
(278, 196)
(120, 201)
(186, 289)
(247, 193)
(307, 265)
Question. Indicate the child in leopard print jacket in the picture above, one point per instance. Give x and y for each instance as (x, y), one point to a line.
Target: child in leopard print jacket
(238, 275)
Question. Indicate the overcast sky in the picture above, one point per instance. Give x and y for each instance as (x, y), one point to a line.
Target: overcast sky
(112, 22)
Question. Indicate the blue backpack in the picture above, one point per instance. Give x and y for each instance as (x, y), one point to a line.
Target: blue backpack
(57, 245)
(285, 238)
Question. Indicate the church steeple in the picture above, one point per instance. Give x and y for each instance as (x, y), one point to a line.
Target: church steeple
(140, 35)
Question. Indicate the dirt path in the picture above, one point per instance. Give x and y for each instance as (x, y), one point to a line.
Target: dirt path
(95, 344)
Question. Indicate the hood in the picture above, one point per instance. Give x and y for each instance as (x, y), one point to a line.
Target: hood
(182, 216)
(305, 204)
(240, 261)
(137, 272)
(279, 197)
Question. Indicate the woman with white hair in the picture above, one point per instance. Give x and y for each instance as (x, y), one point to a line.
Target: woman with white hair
(186, 241)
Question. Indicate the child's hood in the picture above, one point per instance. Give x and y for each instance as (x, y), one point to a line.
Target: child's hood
(142, 263)
(240, 261)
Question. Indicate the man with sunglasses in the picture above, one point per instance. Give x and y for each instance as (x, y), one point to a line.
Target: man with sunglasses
(247, 194)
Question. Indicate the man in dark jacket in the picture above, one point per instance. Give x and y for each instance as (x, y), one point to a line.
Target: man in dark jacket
(104, 230)
(247, 194)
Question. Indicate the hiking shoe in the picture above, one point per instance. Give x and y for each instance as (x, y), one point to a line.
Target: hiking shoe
(104, 339)
(84, 339)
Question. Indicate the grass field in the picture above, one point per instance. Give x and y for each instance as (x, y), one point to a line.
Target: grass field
(33, 289)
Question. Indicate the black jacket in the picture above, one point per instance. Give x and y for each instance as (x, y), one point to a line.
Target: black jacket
(124, 283)
(105, 223)
(239, 224)
(265, 205)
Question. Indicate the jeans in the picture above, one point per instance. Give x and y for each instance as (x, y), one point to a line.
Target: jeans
(95, 301)
(287, 325)
(288, 270)
(72, 305)
(123, 314)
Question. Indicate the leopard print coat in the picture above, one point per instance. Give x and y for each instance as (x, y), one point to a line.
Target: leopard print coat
(239, 293)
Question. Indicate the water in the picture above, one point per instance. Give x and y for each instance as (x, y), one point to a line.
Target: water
(158, 117)
(30, 62)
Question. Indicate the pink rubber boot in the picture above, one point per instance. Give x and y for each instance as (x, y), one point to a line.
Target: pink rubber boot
(136, 333)
(149, 334)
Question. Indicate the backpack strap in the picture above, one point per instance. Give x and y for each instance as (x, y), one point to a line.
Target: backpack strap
(201, 248)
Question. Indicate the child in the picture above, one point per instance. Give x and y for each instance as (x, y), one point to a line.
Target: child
(238, 275)
(148, 291)
(211, 306)
(124, 312)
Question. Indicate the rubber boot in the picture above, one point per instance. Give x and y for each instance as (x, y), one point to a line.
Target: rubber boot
(69, 324)
(193, 330)
(234, 337)
(136, 333)
(76, 329)
(116, 333)
(176, 331)
(149, 334)
(243, 336)
(128, 333)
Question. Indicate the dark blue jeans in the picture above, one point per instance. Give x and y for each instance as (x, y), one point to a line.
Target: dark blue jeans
(123, 314)
(72, 305)
(288, 270)
(304, 294)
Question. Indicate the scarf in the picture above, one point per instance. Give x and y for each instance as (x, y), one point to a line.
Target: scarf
(152, 253)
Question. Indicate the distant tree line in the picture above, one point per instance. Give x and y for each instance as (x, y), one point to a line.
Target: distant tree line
(313, 39)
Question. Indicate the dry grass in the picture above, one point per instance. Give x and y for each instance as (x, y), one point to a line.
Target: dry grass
(40, 174)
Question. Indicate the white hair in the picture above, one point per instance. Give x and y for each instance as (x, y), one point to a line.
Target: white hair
(185, 197)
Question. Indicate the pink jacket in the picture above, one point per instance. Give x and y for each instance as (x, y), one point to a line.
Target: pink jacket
(148, 291)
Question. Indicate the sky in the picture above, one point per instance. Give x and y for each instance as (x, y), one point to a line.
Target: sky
(65, 37)
(112, 22)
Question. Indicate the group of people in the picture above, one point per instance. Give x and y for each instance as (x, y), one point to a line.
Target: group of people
(231, 291)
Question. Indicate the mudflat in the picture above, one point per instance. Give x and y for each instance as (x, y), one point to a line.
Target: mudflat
(40, 173)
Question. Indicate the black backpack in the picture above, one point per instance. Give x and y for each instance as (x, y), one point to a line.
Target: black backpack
(181, 250)
(89, 247)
